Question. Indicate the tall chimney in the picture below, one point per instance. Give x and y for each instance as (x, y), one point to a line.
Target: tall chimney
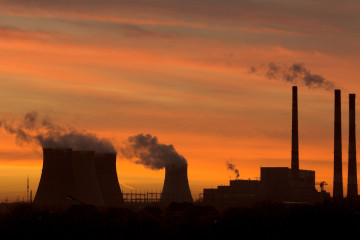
(338, 183)
(352, 190)
(295, 133)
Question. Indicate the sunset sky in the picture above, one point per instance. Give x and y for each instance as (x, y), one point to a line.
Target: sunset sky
(179, 70)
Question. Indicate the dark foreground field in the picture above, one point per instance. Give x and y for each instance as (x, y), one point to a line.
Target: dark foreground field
(181, 221)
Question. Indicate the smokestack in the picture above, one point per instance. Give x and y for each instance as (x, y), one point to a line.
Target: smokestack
(338, 183)
(352, 190)
(105, 167)
(176, 185)
(83, 165)
(295, 133)
(57, 180)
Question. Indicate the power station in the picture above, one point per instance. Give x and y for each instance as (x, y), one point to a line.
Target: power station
(87, 177)
(294, 184)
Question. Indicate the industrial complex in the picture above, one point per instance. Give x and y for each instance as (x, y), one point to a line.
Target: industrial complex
(293, 184)
(90, 178)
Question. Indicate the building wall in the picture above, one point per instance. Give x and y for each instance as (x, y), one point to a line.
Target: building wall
(277, 183)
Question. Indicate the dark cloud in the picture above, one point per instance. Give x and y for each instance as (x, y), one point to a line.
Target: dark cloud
(296, 73)
(76, 140)
(30, 120)
(33, 130)
(146, 150)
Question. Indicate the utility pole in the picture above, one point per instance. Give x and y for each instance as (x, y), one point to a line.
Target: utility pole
(27, 190)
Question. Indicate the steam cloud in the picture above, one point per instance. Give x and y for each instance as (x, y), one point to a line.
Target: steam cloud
(295, 73)
(50, 135)
(232, 167)
(146, 150)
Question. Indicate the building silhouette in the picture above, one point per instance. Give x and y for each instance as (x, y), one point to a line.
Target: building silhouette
(276, 183)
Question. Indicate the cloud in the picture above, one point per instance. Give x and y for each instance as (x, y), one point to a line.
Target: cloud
(33, 130)
(146, 150)
(295, 73)
(279, 13)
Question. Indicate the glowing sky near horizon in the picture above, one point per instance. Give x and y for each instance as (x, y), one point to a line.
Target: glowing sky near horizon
(178, 70)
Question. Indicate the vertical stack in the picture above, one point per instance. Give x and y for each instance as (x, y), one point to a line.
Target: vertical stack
(338, 182)
(352, 188)
(295, 144)
(295, 134)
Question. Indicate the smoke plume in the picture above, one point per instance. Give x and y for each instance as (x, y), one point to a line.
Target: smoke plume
(44, 132)
(232, 167)
(146, 150)
(296, 73)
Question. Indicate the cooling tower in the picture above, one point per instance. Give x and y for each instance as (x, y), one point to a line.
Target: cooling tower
(83, 164)
(295, 134)
(338, 183)
(176, 185)
(352, 190)
(57, 180)
(105, 167)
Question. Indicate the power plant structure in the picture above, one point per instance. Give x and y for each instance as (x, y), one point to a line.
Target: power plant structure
(87, 177)
(338, 180)
(176, 185)
(83, 165)
(352, 188)
(276, 183)
(105, 167)
(72, 177)
(57, 180)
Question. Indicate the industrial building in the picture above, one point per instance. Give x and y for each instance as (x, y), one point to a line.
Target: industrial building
(276, 183)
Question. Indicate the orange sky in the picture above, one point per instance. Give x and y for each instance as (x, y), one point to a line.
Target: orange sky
(178, 70)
